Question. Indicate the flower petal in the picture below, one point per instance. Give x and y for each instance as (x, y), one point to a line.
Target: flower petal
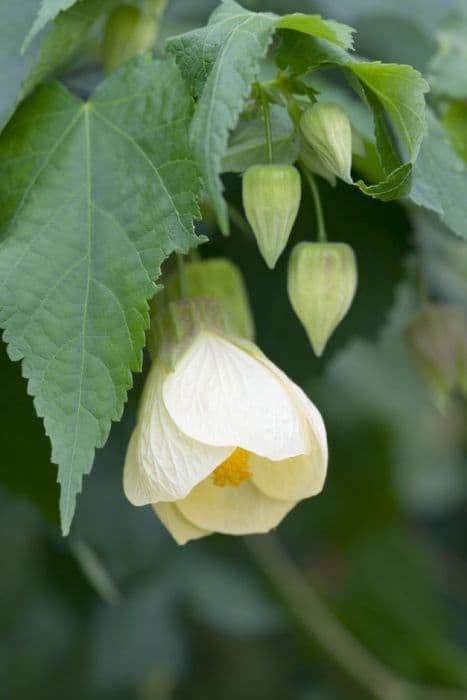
(179, 527)
(294, 478)
(219, 394)
(137, 486)
(172, 462)
(163, 464)
(310, 412)
(232, 510)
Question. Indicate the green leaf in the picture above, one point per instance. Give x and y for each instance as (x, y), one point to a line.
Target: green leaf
(94, 197)
(235, 41)
(48, 10)
(220, 63)
(455, 122)
(315, 25)
(45, 58)
(61, 44)
(448, 68)
(440, 178)
(247, 143)
(16, 20)
(400, 90)
(394, 186)
(301, 53)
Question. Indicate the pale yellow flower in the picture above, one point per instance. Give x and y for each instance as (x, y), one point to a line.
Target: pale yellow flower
(224, 442)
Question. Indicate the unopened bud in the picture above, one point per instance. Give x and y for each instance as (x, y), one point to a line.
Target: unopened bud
(314, 163)
(271, 199)
(437, 339)
(322, 279)
(326, 129)
(129, 31)
(221, 280)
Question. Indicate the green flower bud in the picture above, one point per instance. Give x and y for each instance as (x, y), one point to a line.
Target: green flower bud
(271, 198)
(221, 280)
(128, 33)
(313, 162)
(437, 340)
(326, 128)
(322, 279)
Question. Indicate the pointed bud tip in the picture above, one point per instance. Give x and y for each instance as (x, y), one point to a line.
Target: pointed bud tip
(271, 199)
(327, 131)
(322, 280)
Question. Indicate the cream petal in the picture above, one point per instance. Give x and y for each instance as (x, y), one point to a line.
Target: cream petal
(172, 462)
(179, 527)
(309, 411)
(232, 510)
(220, 394)
(138, 487)
(294, 478)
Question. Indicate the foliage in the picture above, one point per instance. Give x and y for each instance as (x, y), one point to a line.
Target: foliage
(102, 181)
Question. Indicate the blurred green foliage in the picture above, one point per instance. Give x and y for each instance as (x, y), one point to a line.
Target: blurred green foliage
(118, 611)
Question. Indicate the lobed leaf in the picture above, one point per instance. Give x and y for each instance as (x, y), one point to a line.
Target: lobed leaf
(94, 196)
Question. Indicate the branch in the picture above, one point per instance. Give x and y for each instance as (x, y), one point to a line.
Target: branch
(307, 608)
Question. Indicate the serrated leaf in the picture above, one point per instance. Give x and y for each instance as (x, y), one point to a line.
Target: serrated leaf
(247, 144)
(234, 42)
(394, 186)
(220, 62)
(400, 90)
(48, 10)
(440, 178)
(94, 196)
(315, 25)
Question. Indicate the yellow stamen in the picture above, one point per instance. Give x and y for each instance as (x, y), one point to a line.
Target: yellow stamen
(234, 470)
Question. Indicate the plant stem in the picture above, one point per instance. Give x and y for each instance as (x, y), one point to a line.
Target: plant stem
(267, 122)
(305, 606)
(322, 236)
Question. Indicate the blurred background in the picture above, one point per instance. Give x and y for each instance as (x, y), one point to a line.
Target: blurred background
(364, 587)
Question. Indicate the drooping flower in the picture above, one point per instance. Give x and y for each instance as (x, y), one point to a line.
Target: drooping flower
(224, 441)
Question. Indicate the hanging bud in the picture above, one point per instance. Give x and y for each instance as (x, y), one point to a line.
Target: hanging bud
(322, 280)
(218, 279)
(271, 198)
(313, 162)
(326, 129)
(437, 339)
(129, 31)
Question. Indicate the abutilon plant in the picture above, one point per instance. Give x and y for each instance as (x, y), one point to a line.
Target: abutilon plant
(99, 198)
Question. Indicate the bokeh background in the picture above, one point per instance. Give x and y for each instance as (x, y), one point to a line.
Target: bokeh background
(118, 612)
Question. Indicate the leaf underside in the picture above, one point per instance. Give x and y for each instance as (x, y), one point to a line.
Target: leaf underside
(94, 196)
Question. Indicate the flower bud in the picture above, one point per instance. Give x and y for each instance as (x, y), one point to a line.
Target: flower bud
(129, 31)
(326, 129)
(437, 339)
(271, 198)
(322, 280)
(313, 162)
(219, 279)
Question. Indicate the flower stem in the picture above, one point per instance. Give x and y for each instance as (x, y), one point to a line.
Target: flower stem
(306, 608)
(321, 226)
(267, 122)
